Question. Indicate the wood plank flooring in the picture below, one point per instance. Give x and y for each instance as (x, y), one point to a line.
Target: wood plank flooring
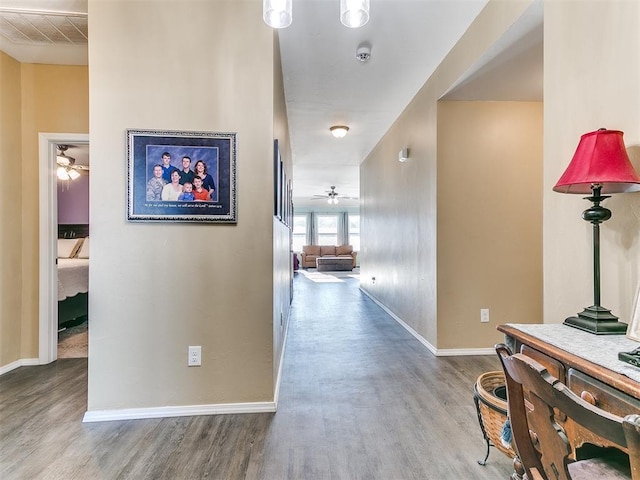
(360, 399)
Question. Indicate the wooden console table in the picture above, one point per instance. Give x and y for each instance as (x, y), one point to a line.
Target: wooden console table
(565, 350)
(588, 364)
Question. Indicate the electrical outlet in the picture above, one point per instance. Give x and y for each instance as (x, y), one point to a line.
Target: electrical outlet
(195, 356)
(484, 315)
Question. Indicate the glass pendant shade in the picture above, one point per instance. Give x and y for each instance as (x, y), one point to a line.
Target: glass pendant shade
(277, 13)
(62, 173)
(73, 174)
(354, 13)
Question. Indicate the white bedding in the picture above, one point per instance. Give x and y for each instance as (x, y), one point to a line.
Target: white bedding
(73, 277)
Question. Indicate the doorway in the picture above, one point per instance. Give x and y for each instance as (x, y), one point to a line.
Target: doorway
(48, 234)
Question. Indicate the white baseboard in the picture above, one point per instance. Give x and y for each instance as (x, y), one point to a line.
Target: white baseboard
(454, 352)
(23, 362)
(449, 352)
(276, 393)
(184, 411)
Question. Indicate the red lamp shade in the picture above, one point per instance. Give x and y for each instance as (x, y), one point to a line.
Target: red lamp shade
(600, 158)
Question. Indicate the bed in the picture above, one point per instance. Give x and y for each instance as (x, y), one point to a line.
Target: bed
(73, 275)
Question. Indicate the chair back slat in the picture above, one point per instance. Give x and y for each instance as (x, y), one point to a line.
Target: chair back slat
(539, 404)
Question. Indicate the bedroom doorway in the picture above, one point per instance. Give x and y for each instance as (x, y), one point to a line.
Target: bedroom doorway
(48, 234)
(73, 250)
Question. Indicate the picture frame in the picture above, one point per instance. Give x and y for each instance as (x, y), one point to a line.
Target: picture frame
(147, 198)
(277, 179)
(290, 213)
(633, 329)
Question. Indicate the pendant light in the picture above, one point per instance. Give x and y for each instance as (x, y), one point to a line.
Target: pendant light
(354, 13)
(277, 13)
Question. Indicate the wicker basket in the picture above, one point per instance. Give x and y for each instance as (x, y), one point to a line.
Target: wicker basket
(489, 393)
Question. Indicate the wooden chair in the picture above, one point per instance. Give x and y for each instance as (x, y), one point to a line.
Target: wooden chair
(538, 430)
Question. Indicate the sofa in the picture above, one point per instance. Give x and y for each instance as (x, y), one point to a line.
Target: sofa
(311, 252)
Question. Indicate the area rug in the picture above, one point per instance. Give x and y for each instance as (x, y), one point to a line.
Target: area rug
(313, 274)
(73, 342)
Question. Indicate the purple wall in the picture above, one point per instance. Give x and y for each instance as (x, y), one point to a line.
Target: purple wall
(73, 202)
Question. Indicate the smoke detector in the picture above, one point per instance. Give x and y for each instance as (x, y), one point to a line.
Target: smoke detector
(363, 53)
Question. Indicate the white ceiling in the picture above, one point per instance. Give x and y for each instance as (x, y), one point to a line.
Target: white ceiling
(326, 85)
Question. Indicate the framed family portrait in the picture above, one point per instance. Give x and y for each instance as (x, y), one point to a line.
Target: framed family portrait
(177, 176)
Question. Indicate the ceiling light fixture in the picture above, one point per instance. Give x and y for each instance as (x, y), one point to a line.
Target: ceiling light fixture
(62, 158)
(67, 169)
(277, 13)
(339, 131)
(62, 173)
(354, 13)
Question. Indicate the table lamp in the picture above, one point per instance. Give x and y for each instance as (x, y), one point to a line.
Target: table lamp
(599, 166)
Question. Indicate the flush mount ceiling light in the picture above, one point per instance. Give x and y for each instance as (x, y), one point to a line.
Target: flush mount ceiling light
(339, 131)
(277, 13)
(354, 13)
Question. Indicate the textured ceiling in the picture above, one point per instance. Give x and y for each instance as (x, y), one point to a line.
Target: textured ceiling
(26, 28)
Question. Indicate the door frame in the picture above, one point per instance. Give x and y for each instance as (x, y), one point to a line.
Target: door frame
(48, 234)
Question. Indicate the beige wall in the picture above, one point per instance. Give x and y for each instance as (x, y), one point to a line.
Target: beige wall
(10, 218)
(282, 258)
(489, 219)
(398, 201)
(55, 98)
(591, 80)
(158, 288)
(35, 99)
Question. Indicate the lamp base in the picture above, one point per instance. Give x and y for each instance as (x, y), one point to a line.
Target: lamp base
(597, 320)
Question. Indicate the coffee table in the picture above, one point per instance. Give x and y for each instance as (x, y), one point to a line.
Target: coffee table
(326, 264)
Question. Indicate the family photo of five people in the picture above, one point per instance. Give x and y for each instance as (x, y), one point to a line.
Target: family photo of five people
(170, 183)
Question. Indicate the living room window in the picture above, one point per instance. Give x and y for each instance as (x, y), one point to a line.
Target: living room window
(299, 232)
(354, 232)
(327, 229)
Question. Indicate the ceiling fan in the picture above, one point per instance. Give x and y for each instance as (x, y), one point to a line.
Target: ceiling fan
(67, 168)
(332, 196)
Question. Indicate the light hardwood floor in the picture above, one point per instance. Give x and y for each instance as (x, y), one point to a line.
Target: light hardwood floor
(360, 399)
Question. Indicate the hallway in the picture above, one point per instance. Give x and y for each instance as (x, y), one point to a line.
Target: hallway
(360, 399)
